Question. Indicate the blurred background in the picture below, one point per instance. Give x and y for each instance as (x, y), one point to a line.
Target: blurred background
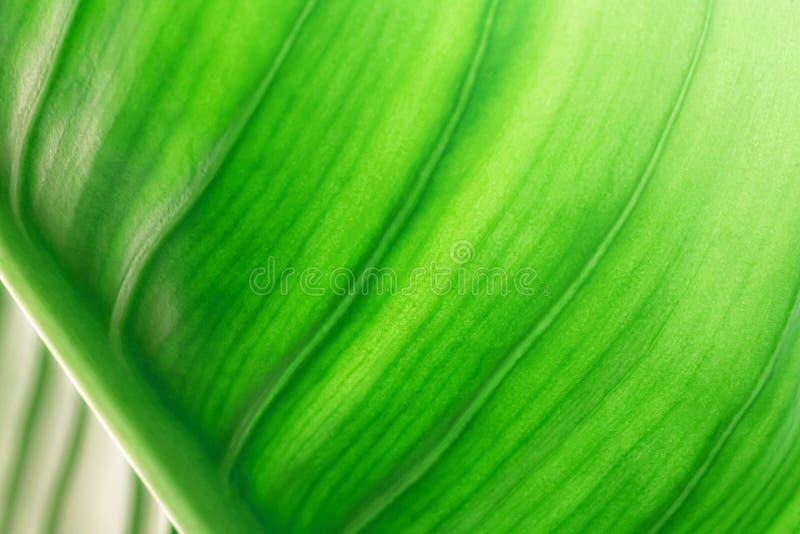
(60, 471)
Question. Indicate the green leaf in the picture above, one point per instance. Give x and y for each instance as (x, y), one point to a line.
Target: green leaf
(270, 241)
(59, 471)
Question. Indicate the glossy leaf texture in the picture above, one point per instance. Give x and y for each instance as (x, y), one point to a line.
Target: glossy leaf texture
(187, 184)
(59, 470)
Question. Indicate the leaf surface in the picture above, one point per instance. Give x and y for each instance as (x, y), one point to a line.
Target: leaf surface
(165, 166)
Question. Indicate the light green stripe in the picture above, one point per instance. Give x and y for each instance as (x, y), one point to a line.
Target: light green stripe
(34, 407)
(66, 469)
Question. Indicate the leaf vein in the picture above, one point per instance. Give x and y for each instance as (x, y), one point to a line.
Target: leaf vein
(151, 237)
(430, 457)
(17, 182)
(755, 393)
(274, 386)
